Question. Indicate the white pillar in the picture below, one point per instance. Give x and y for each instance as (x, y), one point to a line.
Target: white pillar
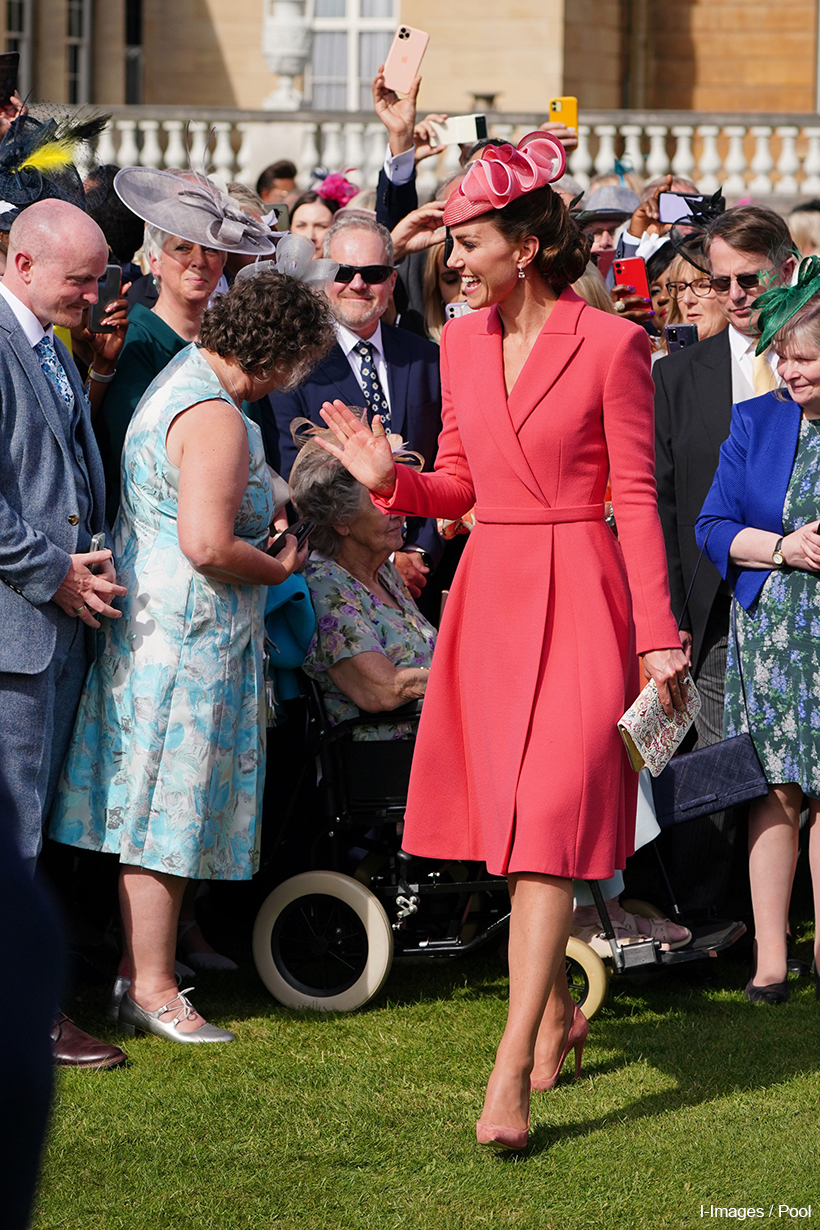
(788, 164)
(657, 162)
(683, 160)
(710, 162)
(605, 158)
(735, 163)
(762, 162)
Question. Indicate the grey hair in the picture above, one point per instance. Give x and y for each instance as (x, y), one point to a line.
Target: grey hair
(326, 493)
(154, 241)
(359, 222)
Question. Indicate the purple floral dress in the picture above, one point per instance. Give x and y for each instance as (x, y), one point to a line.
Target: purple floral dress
(352, 620)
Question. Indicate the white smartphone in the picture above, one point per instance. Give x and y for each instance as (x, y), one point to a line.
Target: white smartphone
(453, 310)
(676, 206)
(461, 130)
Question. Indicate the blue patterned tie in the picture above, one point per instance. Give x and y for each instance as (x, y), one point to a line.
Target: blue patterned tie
(55, 372)
(373, 391)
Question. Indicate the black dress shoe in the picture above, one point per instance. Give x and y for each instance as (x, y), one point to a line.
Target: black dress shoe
(73, 1048)
(773, 993)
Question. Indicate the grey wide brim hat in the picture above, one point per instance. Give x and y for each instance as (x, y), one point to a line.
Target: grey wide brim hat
(610, 203)
(192, 210)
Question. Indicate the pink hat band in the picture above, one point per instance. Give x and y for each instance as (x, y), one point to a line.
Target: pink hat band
(504, 173)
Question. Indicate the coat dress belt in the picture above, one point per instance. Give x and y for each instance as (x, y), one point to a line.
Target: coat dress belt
(539, 516)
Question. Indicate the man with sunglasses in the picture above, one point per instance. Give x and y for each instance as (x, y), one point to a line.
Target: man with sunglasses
(748, 249)
(388, 370)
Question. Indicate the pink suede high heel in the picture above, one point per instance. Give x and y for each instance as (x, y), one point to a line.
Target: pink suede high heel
(501, 1138)
(577, 1036)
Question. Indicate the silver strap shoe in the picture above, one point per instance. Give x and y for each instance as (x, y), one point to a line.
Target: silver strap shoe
(135, 1020)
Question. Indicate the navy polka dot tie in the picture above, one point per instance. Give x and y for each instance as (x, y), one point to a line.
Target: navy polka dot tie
(371, 385)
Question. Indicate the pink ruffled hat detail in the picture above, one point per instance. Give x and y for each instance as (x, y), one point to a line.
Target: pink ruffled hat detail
(505, 172)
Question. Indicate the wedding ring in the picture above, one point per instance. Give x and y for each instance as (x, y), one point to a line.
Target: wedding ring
(81, 608)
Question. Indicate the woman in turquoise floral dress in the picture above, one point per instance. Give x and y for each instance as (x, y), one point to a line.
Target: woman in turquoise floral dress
(166, 766)
(372, 648)
(760, 526)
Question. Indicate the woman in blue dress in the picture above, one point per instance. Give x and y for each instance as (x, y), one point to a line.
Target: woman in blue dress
(166, 766)
(760, 526)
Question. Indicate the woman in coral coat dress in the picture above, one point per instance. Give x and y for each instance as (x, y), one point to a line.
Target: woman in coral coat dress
(518, 760)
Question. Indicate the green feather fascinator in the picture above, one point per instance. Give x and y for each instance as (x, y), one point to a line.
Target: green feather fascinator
(777, 306)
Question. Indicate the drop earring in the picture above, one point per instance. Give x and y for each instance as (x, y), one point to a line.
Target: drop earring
(521, 272)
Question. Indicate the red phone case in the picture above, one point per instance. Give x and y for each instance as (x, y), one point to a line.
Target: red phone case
(632, 272)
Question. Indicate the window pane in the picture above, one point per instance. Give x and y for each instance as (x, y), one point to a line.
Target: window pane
(76, 25)
(378, 8)
(133, 23)
(330, 8)
(329, 70)
(74, 63)
(14, 18)
(373, 48)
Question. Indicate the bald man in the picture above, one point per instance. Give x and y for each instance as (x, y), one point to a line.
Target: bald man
(52, 502)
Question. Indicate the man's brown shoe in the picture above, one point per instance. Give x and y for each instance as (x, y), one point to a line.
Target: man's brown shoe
(72, 1047)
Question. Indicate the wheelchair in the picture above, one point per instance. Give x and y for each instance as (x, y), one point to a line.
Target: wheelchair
(348, 900)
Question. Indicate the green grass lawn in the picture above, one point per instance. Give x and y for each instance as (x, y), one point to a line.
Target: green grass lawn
(689, 1096)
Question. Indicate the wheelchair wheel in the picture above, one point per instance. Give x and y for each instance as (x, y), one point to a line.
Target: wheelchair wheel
(587, 977)
(322, 940)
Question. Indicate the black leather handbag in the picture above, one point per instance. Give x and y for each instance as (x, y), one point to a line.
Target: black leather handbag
(712, 778)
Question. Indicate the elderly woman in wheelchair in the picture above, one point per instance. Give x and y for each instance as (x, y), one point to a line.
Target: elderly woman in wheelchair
(372, 648)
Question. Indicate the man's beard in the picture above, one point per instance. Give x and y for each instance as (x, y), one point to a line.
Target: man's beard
(360, 319)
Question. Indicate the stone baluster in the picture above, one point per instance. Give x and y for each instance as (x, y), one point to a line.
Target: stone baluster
(310, 153)
(106, 150)
(811, 163)
(735, 162)
(332, 148)
(710, 162)
(580, 160)
(175, 155)
(223, 157)
(633, 154)
(129, 154)
(198, 134)
(762, 162)
(683, 160)
(605, 158)
(244, 155)
(657, 162)
(151, 151)
(354, 153)
(788, 164)
(376, 144)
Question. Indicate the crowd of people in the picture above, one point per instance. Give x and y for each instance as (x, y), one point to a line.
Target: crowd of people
(249, 374)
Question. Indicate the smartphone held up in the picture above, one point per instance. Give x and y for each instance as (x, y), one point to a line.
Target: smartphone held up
(404, 59)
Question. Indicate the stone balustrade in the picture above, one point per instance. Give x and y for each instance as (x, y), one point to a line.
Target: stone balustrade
(759, 155)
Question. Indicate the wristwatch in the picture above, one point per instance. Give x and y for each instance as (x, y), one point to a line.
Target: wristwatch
(777, 554)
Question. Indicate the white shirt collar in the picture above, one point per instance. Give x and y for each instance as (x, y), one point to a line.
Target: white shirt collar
(347, 339)
(26, 319)
(740, 344)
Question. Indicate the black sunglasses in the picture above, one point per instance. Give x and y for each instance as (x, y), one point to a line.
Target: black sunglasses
(746, 281)
(369, 273)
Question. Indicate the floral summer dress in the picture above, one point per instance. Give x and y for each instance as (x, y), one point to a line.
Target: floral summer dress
(352, 620)
(779, 639)
(167, 761)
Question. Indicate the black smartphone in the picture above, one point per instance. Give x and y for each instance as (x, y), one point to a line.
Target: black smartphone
(282, 216)
(9, 67)
(108, 289)
(300, 531)
(680, 336)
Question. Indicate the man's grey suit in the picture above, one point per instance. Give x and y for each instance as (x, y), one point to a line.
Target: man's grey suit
(52, 500)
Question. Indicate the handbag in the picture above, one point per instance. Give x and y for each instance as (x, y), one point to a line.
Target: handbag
(712, 778)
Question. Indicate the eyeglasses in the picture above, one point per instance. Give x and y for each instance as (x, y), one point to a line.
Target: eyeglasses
(370, 274)
(746, 281)
(700, 287)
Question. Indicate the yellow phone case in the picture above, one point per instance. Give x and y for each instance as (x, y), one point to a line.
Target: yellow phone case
(565, 111)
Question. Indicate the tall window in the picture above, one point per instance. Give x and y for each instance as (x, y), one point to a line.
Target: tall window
(133, 51)
(77, 51)
(18, 38)
(351, 39)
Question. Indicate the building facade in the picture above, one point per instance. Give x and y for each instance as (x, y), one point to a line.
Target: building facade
(704, 55)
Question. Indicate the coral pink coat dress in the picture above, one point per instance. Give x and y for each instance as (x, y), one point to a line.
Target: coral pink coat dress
(518, 761)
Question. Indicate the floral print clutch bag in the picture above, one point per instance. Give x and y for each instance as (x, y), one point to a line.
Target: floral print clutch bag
(650, 737)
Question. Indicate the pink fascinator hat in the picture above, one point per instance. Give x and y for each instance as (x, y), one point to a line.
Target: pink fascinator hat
(505, 172)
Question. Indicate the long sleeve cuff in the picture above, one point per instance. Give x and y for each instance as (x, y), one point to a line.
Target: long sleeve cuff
(400, 168)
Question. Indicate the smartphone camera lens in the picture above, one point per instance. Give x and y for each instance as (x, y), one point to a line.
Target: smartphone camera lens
(403, 33)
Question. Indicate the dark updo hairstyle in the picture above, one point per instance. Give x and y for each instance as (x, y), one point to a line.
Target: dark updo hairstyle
(563, 251)
(310, 198)
(268, 320)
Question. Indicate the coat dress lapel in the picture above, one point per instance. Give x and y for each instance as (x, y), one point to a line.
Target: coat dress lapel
(554, 348)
